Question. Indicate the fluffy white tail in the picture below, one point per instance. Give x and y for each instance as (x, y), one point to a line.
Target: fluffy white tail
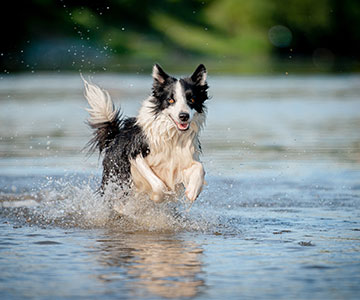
(102, 109)
(105, 119)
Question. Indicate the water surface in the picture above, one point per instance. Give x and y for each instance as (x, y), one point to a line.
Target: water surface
(278, 219)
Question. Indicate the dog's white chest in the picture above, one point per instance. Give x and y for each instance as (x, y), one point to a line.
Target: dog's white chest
(169, 163)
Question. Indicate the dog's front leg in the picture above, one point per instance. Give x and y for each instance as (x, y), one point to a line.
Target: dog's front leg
(193, 180)
(158, 187)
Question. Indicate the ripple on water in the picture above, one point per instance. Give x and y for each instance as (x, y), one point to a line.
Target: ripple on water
(47, 243)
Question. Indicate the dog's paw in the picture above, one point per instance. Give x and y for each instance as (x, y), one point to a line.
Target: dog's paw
(193, 191)
(190, 196)
(157, 197)
(159, 192)
(194, 181)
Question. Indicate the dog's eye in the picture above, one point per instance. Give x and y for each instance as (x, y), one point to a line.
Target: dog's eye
(171, 101)
(192, 100)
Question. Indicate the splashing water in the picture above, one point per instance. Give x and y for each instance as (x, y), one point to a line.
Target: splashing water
(62, 202)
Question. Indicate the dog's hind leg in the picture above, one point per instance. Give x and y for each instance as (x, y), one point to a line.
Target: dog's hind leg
(193, 179)
(157, 185)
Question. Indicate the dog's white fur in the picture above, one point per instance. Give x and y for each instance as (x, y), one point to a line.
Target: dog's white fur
(174, 155)
(102, 108)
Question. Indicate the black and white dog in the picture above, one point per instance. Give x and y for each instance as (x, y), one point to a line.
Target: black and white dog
(156, 153)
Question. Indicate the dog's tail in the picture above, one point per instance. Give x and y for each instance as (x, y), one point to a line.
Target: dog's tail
(105, 119)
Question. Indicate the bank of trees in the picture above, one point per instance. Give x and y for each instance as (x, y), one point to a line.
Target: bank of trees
(90, 34)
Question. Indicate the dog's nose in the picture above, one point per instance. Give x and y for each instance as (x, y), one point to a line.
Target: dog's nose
(184, 116)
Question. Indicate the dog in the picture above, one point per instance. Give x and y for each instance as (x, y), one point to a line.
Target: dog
(157, 152)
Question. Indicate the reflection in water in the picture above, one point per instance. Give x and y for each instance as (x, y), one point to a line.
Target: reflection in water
(162, 265)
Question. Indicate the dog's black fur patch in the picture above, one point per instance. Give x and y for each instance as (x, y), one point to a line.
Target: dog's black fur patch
(196, 92)
(104, 133)
(162, 90)
(121, 140)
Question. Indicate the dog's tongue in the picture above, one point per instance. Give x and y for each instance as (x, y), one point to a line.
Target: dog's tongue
(183, 126)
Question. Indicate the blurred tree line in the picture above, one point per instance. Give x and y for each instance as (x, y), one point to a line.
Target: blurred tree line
(230, 35)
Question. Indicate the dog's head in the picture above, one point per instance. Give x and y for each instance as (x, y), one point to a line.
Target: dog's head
(179, 99)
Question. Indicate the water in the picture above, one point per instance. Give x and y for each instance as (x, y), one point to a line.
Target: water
(278, 219)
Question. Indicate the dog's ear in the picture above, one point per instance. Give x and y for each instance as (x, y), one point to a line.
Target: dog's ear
(199, 76)
(159, 74)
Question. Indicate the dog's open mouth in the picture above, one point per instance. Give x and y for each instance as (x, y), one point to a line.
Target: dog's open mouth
(181, 126)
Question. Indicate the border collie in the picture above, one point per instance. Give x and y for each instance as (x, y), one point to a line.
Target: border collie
(157, 152)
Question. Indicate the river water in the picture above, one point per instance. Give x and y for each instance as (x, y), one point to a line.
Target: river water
(278, 219)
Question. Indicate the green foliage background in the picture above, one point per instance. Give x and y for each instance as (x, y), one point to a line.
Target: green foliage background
(242, 36)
